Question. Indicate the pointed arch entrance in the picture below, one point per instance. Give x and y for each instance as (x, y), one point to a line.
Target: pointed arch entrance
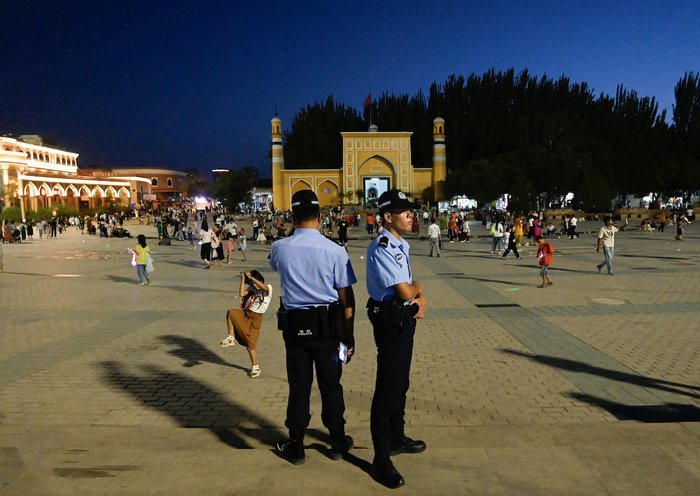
(376, 175)
(328, 193)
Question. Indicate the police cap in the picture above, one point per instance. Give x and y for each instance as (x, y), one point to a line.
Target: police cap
(395, 200)
(304, 199)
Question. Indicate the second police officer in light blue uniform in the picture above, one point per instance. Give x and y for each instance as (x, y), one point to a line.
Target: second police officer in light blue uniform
(396, 301)
(316, 315)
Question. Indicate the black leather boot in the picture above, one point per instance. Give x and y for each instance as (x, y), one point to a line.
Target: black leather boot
(340, 446)
(404, 444)
(384, 471)
(292, 449)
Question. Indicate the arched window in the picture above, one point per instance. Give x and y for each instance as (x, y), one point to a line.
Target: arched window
(170, 182)
(154, 181)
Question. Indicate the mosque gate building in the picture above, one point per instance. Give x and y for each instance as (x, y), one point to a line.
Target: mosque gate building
(373, 162)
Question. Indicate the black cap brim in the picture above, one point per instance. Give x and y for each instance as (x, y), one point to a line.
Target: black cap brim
(399, 206)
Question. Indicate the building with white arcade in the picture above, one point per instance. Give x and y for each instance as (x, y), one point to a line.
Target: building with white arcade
(39, 176)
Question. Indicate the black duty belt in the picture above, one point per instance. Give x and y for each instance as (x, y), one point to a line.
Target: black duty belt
(396, 308)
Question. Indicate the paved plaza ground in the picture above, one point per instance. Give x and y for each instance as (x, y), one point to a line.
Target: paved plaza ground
(588, 387)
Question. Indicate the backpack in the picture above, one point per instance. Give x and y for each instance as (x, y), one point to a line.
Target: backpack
(493, 230)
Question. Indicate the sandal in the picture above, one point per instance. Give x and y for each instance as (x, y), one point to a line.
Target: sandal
(542, 286)
(229, 341)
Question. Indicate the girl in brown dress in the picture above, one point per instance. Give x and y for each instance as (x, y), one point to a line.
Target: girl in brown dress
(244, 323)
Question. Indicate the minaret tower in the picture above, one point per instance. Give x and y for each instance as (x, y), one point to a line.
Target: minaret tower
(278, 192)
(439, 159)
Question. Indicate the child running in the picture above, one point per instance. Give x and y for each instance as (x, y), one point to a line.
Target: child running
(545, 255)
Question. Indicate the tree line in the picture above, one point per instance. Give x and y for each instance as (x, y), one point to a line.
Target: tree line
(536, 138)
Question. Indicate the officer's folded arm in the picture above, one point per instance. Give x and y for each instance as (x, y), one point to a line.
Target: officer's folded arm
(413, 292)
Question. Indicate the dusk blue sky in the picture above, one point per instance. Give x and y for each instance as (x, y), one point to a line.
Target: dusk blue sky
(195, 84)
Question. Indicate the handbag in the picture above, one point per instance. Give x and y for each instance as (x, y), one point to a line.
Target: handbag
(149, 263)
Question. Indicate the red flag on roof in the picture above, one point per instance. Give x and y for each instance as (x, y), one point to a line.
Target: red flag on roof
(368, 100)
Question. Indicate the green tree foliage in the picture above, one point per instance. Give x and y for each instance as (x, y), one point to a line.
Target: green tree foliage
(13, 214)
(594, 193)
(534, 137)
(404, 113)
(232, 188)
(686, 111)
(314, 140)
(684, 161)
(198, 188)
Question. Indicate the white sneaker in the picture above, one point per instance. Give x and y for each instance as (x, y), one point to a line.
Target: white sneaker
(255, 371)
(229, 341)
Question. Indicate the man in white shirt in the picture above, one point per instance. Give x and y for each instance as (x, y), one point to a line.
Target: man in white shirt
(606, 240)
(434, 237)
(572, 227)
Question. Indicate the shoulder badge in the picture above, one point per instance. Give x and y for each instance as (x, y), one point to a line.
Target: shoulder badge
(383, 241)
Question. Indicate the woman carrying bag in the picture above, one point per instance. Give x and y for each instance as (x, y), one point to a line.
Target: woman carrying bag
(141, 257)
(244, 323)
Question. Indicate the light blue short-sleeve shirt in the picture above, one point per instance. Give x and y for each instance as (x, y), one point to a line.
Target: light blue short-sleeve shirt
(312, 268)
(387, 267)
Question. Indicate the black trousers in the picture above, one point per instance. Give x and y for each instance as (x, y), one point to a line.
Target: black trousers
(511, 247)
(301, 358)
(394, 353)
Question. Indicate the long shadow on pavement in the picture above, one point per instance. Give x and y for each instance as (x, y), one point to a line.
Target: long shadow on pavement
(665, 412)
(194, 353)
(130, 280)
(499, 281)
(191, 403)
(195, 405)
(194, 264)
(655, 257)
(615, 375)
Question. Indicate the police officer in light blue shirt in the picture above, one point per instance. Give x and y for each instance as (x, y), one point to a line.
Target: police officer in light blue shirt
(396, 301)
(316, 316)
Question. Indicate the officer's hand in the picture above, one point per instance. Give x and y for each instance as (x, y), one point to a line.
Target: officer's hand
(422, 304)
(350, 343)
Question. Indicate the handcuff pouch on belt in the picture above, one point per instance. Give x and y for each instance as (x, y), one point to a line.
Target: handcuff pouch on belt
(389, 313)
(309, 324)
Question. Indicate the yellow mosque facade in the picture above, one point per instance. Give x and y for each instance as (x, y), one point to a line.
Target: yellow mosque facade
(373, 162)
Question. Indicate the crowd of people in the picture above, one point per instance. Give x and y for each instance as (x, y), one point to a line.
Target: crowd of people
(16, 232)
(317, 309)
